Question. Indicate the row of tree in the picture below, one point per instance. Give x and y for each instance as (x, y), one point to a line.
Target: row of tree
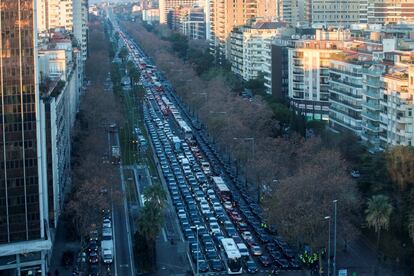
(302, 177)
(93, 176)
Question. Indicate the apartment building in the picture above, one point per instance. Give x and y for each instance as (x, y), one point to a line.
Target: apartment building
(165, 6)
(193, 24)
(309, 63)
(59, 65)
(55, 14)
(151, 16)
(280, 67)
(225, 15)
(294, 12)
(345, 92)
(334, 13)
(190, 21)
(80, 25)
(371, 97)
(25, 239)
(250, 50)
(389, 12)
(396, 118)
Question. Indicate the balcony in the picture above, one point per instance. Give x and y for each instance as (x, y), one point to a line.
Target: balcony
(373, 83)
(345, 93)
(372, 94)
(370, 116)
(298, 71)
(371, 127)
(349, 73)
(345, 104)
(371, 106)
(350, 84)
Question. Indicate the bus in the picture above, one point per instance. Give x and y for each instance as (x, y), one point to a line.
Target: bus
(233, 256)
(188, 133)
(222, 189)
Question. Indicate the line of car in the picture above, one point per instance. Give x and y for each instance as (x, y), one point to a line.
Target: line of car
(194, 194)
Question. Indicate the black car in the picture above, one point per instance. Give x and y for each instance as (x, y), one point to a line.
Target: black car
(251, 266)
(94, 270)
(216, 265)
(265, 260)
(93, 257)
(282, 263)
(202, 266)
(93, 246)
(211, 254)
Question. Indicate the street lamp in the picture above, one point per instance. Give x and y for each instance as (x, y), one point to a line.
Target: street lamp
(335, 202)
(252, 140)
(329, 244)
(196, 228)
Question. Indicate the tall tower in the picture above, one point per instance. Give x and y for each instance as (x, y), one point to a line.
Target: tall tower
(24, 237)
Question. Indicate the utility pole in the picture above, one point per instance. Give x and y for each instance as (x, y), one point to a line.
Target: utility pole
(335, 202)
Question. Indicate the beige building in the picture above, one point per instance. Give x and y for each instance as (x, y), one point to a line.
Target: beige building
(165, 6)
(55, 14)
(309, 72)
(334, 13)
(390, 11)
(225, 15)
(295, 12)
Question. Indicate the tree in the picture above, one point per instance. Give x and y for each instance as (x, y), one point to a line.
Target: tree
(400, 164)
(378, 214)
(298, 203)
(410, 225)
(150, 219)
(123, 53)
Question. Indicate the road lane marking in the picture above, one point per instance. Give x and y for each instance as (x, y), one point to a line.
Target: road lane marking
(164, 235)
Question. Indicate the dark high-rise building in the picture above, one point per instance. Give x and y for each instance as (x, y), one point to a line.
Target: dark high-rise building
(24, 241)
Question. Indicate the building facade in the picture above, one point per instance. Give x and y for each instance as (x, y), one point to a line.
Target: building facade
(225, 15)
(309, 63)
(396, 118)
(165, 6)
(24, 223)
(345, 93)
(250, 50)
(386, 12)
(334, 13)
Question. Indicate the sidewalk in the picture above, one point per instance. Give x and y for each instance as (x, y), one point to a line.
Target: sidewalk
(360, 258)
(61, 245)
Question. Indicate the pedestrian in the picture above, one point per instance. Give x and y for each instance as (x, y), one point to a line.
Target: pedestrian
(56, 272)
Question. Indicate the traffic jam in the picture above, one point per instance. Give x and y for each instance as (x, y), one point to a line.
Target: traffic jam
(222, 225)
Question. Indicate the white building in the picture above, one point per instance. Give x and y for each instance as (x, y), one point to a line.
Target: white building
(250, 51)
(309, 62)
(59, 66)
(397, 103)
(80, 26)
(345, 92)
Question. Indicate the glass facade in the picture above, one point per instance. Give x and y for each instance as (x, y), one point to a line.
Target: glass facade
(19, 191)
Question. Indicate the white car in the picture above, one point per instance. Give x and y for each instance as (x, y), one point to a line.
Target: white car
(106, 223)
(247, 236)
(215, 228)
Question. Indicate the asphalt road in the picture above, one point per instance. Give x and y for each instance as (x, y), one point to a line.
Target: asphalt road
(123, 247)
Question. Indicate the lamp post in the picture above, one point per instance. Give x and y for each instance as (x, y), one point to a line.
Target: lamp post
(251, 139)
(335, 202)
(329, 244)
(196, 228)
